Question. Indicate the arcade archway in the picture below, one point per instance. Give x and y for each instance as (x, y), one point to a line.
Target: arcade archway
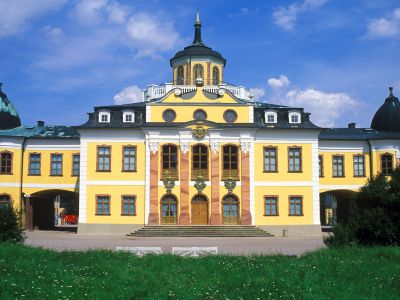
(335, 206)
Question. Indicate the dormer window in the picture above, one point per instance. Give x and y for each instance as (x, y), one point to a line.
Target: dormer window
(294, 118)
(104, 117)
(128, 117)
(271, 117)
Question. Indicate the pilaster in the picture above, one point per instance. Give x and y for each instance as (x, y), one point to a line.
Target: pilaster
(245, 180)
(184, 217)
(215, 199)
(154, 216)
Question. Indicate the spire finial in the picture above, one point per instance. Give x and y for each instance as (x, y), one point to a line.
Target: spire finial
(198, 16)
(391, 90)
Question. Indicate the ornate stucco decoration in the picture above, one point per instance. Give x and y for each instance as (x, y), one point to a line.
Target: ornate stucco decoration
(245, 146)
(230, 184)
(169, 184)
(200, 184)
(214, 146)
(153, 146)
(199, 131)
(184, 146)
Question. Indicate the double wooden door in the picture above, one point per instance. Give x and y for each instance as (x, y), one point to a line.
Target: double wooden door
(199, 210)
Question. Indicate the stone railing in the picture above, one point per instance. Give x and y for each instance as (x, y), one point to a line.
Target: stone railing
(158, 91)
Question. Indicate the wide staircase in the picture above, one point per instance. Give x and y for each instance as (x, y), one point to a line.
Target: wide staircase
(200, 231)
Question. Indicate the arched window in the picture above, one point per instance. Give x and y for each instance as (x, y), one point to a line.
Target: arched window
(5, 162)
(198, 71)
(215, 76)
(200, 162)
(5, 200)
(169, 208)
(230, 204)
(230, 162)
(387, 164)
(170, 162)
(180, 75)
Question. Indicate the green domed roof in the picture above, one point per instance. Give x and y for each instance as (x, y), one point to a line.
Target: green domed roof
(9, 117)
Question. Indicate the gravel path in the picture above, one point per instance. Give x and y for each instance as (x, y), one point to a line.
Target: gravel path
(238, 246)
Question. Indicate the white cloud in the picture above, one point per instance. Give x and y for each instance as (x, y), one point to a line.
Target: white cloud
(54, 33)
(385, 27)
(258, 93)
(149, 34)
(286, 17)
(89, 12)
(278, 83)
(326, 108)
(16, 14)
(130, 94)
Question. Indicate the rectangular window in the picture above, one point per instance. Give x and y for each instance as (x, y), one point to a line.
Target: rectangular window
(103, 205)
(104, 159)
(129, 163)
(270, 159)
(295, 206)
(387, 164)
(34, 164)
(294, 159)
(56, 165)
(128, 206)
(5, 162)
(321, 165)
(338, 166)
(271, 206)
(359, 165)
(75, 164)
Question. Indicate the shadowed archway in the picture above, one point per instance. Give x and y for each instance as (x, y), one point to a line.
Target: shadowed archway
(335, 206)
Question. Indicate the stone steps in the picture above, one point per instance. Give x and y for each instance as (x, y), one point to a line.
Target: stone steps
(200, 231)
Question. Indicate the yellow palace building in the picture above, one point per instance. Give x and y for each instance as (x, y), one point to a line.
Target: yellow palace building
(195, 151)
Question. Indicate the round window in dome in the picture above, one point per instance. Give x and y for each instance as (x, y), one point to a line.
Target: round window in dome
(230, 116)
(169, 115)
(200, 115)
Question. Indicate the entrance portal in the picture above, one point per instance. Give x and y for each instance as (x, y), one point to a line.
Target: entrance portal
(230, 209)
(199, 210)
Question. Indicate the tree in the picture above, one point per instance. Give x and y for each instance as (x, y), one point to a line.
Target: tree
(374, 219)
(10, 226)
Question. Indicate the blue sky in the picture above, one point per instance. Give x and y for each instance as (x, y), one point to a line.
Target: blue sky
(336, 58)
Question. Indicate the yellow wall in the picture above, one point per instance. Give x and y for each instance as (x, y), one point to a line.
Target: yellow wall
(349, 178)
(116, 162)
(207, 80)
(115, 193)
(283, 163)
(283, 205)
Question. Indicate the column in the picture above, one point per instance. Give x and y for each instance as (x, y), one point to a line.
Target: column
(245, 179)
(154, 215)
(215, 198)
(184, 217)
(28, 214)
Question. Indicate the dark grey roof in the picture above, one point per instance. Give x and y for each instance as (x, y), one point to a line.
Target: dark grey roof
(9, 117)
(48, 131)
(349, 134)
(387, 117)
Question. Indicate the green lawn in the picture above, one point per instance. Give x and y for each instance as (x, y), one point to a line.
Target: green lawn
(352, 273)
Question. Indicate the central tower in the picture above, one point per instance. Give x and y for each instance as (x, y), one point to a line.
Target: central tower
(197, 64)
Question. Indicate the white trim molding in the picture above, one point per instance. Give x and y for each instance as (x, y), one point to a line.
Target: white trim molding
(340, 187)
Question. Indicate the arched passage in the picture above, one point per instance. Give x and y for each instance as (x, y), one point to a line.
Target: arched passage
(335, 206)
(52, 210)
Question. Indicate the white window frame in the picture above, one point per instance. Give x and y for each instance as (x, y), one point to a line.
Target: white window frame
(128, 113)
(271, 113)
(293, 114)
(104, 113)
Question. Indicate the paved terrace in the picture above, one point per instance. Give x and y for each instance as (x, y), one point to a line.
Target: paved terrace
(59, 240)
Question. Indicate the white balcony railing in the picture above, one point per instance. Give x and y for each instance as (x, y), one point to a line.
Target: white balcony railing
(158, 91)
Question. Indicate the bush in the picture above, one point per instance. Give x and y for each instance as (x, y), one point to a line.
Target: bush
(10, 226)
(374, 219)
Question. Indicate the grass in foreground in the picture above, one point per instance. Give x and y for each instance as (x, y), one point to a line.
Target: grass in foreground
(351, 273)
